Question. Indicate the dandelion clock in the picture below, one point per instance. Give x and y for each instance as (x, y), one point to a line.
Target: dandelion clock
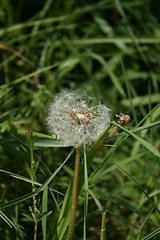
(77, 120)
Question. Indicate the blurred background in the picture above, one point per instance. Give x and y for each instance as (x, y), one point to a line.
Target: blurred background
(111, 50)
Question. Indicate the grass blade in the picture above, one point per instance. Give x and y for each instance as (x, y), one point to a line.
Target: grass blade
(7, 220)
(4, 91)
(151, 201)
(44, 212)
(152, 234)
(146, 144)
(41, 188)
(85, 196)
(49, 143)
(64, 214)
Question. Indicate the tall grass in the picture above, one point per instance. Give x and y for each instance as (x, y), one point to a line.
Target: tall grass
(111, 50)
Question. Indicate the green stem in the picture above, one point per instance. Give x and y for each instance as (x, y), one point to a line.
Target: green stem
(33, 189)
(103, 227)
(74, 196)
(35, 229)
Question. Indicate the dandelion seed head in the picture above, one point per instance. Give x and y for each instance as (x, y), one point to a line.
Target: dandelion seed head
(76, 119)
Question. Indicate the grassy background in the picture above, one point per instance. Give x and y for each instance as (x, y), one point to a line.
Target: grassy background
(111, 50)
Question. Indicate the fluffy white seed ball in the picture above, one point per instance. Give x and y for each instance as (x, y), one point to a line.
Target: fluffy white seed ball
(76, 119)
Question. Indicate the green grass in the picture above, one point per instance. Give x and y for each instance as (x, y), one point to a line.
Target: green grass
(110, 50)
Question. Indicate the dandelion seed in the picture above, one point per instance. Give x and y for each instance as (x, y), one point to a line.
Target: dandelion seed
(76, 119)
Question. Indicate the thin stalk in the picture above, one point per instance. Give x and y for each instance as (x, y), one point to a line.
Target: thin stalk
(103, 227)
(35, 213)
(34, 197)
(86, 195)
(74, 196)
(16, 217)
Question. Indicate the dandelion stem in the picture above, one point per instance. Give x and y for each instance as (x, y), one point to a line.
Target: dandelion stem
(74, 196)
